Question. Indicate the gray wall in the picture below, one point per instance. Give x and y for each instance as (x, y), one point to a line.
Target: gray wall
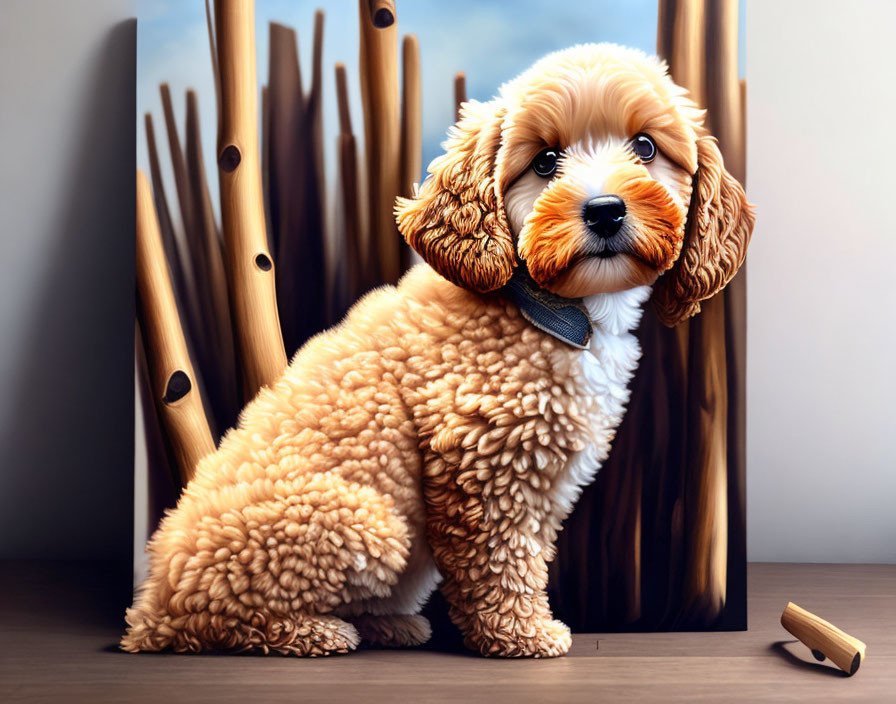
(821, 362)
(67, 131)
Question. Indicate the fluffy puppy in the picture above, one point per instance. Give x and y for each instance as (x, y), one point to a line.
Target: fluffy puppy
(437, 432)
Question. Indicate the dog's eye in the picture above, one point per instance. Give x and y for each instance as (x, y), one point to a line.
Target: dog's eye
(644, 147)
(545, 162)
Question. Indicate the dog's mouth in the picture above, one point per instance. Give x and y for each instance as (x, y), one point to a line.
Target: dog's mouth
(606, 249)
(595, 247)
(609, 260)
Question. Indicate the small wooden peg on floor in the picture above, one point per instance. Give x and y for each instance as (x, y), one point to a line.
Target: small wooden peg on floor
(824, 639)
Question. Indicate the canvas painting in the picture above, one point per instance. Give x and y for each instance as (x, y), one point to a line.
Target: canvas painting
(441, 324)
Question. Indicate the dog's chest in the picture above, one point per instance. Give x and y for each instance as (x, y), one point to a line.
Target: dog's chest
(604, 373)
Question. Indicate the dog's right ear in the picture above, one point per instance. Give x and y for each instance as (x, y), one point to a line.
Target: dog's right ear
(456, 220)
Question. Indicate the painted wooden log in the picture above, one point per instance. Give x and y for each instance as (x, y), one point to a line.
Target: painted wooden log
(219, 369)
(353, 250)
(460, 92)
(411, 131)
(658, 541)
(249, 264)
(174, 383)
(169, 239)
(295, 186)
(382, 114)
(411, 115)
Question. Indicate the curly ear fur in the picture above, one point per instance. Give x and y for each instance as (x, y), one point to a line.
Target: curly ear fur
(720, 222)
(456, 220)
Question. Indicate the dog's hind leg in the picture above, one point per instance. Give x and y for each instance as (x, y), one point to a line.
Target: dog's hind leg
(394, 621)
(269, 576)
(304, 635)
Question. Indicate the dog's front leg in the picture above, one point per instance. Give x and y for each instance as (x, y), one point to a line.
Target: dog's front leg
(495, 586)
(484, 540)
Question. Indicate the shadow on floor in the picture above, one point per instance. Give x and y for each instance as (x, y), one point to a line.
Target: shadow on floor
(785, 649)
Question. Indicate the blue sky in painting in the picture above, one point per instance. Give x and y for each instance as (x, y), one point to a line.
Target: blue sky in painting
(491, 41)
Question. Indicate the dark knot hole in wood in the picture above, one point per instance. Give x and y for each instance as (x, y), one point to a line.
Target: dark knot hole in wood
(383, 18)
(178, 386)
(263, 262)
(230, 158)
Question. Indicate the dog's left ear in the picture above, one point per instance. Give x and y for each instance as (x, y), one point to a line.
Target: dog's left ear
(456, 220)
(720, 222)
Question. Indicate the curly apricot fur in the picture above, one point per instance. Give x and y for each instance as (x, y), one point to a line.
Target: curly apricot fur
(429, 409)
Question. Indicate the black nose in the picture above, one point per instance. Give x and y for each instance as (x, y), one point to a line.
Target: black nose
(604, 215)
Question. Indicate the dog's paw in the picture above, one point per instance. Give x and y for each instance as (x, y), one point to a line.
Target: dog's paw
(541, 639)
(308, 636)
(553, 641)
(393, 630)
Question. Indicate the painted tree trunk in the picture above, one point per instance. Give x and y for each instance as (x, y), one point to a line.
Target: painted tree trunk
(658, 541)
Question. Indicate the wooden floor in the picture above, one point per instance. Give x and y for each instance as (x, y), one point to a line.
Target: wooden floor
(57, 643)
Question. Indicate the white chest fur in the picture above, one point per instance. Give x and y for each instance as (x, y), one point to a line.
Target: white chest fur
(607, 368)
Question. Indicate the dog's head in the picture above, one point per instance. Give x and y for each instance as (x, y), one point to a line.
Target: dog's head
(594, 169)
